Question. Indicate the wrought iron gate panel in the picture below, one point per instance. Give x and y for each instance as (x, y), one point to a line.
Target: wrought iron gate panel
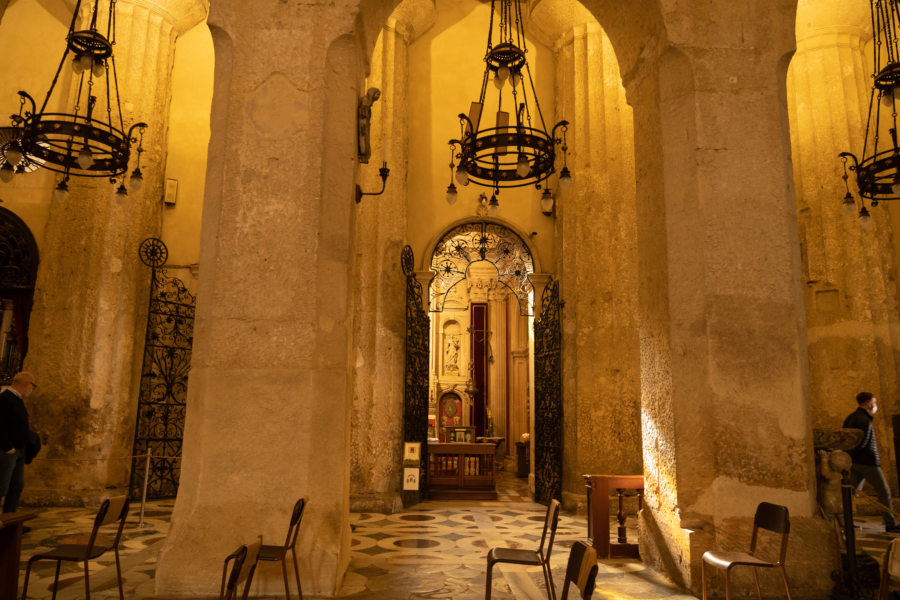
(164, 378)
(415, 413)
(548, 398)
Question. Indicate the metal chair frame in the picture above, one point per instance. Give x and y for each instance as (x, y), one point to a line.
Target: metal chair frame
(529, 557)
(771, 517)
(244, 566)
(279, 553)
(111, 510)
(581, 570)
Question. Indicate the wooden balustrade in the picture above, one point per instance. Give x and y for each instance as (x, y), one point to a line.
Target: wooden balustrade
(461, 471)
(598, 492)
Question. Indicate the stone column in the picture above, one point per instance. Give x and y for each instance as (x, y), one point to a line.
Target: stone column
(269, 404)
(725, 402)
(87, 327)
(597, 265)
(380, 289)
(849, 273)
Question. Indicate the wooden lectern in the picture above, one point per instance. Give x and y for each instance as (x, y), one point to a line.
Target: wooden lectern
(10, 550)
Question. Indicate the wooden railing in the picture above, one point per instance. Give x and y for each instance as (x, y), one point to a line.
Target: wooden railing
(461, 471)
(598, 492)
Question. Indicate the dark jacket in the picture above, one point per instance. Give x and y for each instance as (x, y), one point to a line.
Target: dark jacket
(13, 421)
(866, 453)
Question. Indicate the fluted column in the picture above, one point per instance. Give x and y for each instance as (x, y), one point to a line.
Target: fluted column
(848, 272)
(597, 264)
(380, 288)
(87, 327)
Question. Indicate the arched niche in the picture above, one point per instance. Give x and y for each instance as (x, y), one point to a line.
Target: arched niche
(18, 270)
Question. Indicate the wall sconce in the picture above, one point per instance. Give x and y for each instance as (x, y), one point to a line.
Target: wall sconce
(383, 172)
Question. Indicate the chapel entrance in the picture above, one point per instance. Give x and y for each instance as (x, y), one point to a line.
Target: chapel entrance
(18, 271)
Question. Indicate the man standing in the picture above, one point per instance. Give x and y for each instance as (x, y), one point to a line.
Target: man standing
(866, 461)
(13, 438)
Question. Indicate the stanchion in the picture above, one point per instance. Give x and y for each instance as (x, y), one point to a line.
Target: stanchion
(146, 481)
(849, 534)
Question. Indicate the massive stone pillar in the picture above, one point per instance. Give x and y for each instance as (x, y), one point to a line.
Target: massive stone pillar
(87, 327)
(268, 417)
(725, 400)
(380, 288)
(849, 273)
(597, 265)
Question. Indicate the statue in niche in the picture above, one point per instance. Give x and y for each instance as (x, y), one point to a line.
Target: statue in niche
(451, 355)
(364, 116)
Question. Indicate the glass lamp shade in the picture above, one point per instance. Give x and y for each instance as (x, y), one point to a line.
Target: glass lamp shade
(849, 204)
(121, 193)
(77, 67)
(451, 194)
(493, 208)
(522, 166)
(565, 179)
(136, 180)
(865, 219)
(85, 157)
(462, 176)
(61, 193)
(547, 202)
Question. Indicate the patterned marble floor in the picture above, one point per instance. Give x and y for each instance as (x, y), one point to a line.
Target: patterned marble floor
(436, 550)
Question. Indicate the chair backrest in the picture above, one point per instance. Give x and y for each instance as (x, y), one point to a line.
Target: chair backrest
(242, 569)
(111, 510)
(581, 570)
(294, 527)
(551, 520)
(774, 518)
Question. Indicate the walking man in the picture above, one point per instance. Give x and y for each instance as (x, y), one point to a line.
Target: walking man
(866, 461)
(13, 438)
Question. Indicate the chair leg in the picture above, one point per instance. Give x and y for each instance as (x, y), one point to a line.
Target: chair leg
(548, 581)
(56, 579)
(296, 573)
(786, 588)
(287, 590)
(119, 575)
(25, 587)
(703, 579)
(756, 581)
(487, 582)
(565, 590)
(87, 582)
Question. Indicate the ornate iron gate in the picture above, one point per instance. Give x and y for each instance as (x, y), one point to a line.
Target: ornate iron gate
(548, 398)
(415, 413)
(164, 378)
(18, 271)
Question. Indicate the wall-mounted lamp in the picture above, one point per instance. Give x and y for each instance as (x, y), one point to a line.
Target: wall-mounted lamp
(383, 172)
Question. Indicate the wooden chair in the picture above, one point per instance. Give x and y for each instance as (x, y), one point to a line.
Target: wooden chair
(279, 553)
(890, 572)
(581, 570)
(529, 557)
(112, 510)
(769, 517)
(243, 566)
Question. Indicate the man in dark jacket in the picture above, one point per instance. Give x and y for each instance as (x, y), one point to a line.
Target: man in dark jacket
(866, 460)
(14, 436)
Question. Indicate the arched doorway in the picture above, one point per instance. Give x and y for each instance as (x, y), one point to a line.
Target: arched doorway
(18, 270)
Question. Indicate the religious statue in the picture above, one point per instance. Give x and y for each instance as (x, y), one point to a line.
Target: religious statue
(832, 466)
(451, 355)
(364, 115)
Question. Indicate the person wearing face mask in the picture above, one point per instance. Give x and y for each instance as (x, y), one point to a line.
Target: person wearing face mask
(14, 436)
(866, 460)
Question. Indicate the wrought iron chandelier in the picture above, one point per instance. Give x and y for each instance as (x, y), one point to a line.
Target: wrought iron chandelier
(89, 141)
(507, 153)
(878, 171)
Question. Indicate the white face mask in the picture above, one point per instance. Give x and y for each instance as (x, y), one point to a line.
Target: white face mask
(873, 410)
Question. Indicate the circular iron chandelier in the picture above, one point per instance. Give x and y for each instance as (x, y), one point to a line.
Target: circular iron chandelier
(510, 152)
(878, 171)
(89, 141)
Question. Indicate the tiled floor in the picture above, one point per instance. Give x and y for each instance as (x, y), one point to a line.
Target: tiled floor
(435, 550)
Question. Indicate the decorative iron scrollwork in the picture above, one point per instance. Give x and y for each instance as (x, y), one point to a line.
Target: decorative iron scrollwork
(18, 255)
(164, 377)
(415, 413)
(482, 241)
(548, 410)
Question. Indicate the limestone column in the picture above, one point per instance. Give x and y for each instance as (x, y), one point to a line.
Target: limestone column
(87, 327)
(597, 265)
(380, 288)
(269, 403)
(848, 273)
(725, 400)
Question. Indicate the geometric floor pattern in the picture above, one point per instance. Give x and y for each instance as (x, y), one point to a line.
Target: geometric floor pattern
(434, 550)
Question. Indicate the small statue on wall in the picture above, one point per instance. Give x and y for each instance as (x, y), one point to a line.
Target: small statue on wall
(832, 466)
(364, 116)
(451, 355)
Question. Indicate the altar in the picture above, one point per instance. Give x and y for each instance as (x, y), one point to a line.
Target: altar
(461, 471)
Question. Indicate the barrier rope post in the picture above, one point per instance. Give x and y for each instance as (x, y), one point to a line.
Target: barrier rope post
(849, 533)
(146, 482)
